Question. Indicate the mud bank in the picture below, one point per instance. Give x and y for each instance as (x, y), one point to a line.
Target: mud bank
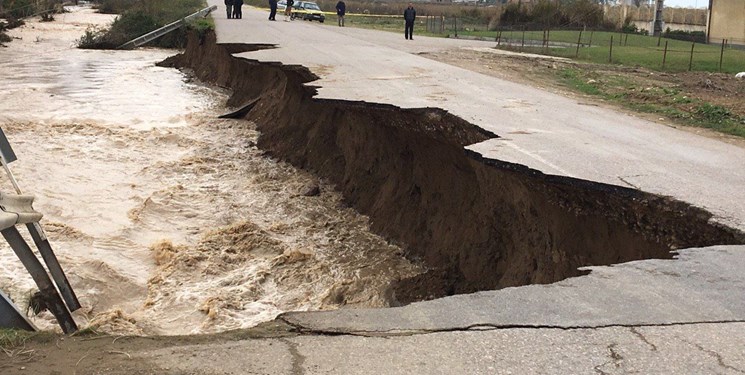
(477, 223)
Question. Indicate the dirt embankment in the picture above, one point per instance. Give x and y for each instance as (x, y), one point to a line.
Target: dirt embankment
(478, 224)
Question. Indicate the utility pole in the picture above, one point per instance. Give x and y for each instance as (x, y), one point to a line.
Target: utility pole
(658, 19)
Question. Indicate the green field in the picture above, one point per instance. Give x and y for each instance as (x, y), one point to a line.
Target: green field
(628, 49)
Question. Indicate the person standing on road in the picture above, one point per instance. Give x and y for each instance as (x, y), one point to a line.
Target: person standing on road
(409, 18)
(272, 9)
(341, 10)
(237, 12)
(229, 8)
(288, 10)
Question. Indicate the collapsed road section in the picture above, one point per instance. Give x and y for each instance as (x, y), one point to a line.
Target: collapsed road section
(476, 223)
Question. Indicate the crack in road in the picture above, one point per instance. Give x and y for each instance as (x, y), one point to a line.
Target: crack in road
(643, 338)
(297, 358)
(718, 357)
(302, 330)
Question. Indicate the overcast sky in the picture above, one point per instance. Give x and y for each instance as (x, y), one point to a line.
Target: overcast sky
(687, 3)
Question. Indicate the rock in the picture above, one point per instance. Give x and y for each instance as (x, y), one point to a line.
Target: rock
(311, 190)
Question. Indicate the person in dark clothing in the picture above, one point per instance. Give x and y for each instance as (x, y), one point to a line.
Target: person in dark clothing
(272, 9)
(409, 18)
(341, 10)
(237, 12)
(288, 10)
(229, 8)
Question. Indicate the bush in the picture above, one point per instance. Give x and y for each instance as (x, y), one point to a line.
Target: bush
(19, 8)
(4, 38)
(547, 13)
(142, 17)
(689, 36)
(114, 6)
(713, 113)
(514, 14)
(584, 13)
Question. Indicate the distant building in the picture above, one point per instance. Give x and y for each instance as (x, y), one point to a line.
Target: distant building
(726, 21)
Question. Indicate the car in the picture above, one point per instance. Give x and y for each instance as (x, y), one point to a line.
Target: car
(308, 10)
(281, 5)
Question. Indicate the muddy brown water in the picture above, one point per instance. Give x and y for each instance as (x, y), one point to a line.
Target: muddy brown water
(478, 224)
(166, 219)
(172, 221)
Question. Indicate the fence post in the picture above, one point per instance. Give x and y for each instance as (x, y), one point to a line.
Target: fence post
(610, 53)
(664, 56)
(522, 44)
(499, 37)
(721, 55)
(626, 40)
(690, 62)
(579, 40)
(455, 25)
(589, 45)
(659, 38)
(442, 24)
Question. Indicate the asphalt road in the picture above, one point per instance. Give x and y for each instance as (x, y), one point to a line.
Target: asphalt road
(684, 315)
(545, 131)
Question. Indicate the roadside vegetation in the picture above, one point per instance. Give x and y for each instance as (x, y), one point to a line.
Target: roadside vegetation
(657, 76)
(14, 11)
(139, 17)
(12, 338)
(688, 100)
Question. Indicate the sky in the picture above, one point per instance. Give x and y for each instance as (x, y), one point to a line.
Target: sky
(687, 3)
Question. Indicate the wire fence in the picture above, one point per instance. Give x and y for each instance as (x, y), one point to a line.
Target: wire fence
(601, 46)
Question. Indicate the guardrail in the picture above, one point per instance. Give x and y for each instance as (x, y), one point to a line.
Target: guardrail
(166, 29)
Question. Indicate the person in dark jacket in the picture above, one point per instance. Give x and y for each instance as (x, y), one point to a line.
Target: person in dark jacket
(272, 9)
(341, 10)
(288, 10)
(237, 12)
(409, 18)
(229, 8)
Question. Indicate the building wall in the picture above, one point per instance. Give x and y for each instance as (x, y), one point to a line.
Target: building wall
(727, 21)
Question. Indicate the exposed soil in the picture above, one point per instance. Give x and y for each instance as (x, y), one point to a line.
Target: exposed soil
(478, 224)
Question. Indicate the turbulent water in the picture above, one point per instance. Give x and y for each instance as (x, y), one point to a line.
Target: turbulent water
(166, 219)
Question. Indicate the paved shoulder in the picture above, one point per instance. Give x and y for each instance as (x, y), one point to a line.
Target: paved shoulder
(700, 285)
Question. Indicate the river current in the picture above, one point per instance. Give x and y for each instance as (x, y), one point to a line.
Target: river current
(167, 219)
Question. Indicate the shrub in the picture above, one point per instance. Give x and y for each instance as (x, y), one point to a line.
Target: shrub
(713, 113)
(547, 13)
(4, 38)
(19, 8)
(514, 14)
(584, 13)
(142, 17)
(689, 36)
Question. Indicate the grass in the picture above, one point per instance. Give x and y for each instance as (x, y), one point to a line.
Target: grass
(143, 16)
(668, 102)
(628, 49)
(11, 338)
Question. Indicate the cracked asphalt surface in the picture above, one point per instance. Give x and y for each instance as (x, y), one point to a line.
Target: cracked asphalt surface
(684, 315)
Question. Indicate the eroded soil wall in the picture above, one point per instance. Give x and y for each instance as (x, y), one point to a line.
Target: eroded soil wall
(477, 223)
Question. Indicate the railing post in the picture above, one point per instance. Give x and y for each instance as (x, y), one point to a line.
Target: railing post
(690, 61)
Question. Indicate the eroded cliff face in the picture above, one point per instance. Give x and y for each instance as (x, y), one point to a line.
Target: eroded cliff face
(477, 223)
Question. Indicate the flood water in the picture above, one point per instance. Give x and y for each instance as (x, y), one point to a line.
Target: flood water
(166, 219)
